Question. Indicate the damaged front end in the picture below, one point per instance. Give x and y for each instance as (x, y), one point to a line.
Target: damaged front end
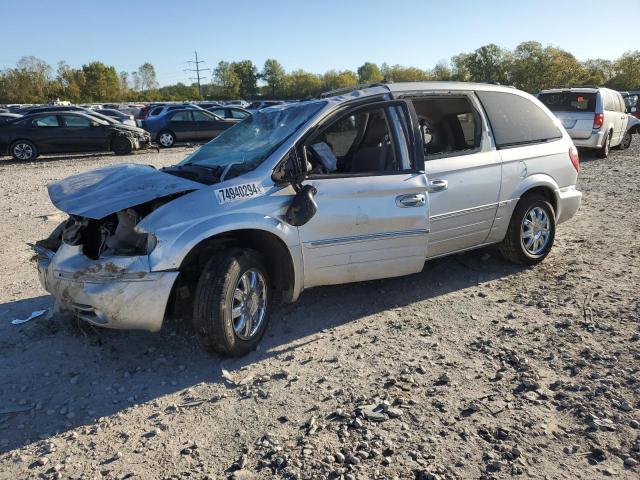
(96, 263)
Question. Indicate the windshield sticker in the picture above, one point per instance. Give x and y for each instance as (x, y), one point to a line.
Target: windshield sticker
(238, 192)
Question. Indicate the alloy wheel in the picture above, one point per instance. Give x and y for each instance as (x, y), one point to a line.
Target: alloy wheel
(23, 151)
(535, 231)
(249, 304)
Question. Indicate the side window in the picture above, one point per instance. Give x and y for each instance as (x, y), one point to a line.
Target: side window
(609, 101)
(238, 114)
(449, 125)
(356, 143)
(621, 107)
(48, 121)
(199, 116)
(156, 111)
(516, 120)
(218, 111)
(184, 116)
(76, 122)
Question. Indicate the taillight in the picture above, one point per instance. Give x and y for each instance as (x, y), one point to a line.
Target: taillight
(598, 120)
(575, 158)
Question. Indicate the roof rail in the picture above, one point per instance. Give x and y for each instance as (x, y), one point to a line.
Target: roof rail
(352, 88)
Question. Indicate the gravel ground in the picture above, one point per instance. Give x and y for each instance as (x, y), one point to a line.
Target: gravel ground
(473, 368)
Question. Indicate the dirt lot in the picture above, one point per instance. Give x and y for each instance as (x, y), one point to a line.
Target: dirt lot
(480, 369)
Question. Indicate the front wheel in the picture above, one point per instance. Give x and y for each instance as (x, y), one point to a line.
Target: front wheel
(232, 302)
(121, 145)
(531, 231)
(166, 139)
(24, 151)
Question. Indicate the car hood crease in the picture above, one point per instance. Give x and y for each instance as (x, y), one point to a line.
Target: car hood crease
(101, 192)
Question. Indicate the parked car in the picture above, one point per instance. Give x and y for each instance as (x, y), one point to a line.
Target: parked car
(230, 112)
(7, 117)
(158, 111)
(632, 103)
(594, 117)
(69, 108)
(65, 132)
(263, 104)
(361, 186)
(185, 125)
(119, 116)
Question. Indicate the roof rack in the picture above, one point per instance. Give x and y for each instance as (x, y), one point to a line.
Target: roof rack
(353, 88)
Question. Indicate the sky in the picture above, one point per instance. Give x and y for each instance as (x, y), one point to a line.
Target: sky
(312, 35)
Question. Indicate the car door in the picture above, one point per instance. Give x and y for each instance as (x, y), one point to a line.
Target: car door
(463, 169)
(373, 212)
(81, 133)
(181, 123)
(208, 126)
(624, 118)
(44, 131)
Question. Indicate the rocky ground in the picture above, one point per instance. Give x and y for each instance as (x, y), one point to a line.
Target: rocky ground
(473, 368)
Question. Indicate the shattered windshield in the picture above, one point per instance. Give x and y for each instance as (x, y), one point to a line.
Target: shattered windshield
(247, 144)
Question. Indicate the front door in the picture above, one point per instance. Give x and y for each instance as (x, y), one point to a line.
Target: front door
(181, 123)
(373, 211)
(81, 134)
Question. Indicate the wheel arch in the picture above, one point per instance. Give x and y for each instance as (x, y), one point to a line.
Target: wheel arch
(541, 184)
(18, 140)
(276, 254)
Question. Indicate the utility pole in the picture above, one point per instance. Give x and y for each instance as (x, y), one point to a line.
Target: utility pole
(197, 70)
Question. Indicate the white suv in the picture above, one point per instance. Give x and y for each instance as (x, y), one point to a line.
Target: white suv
(594, 117)
(362, 185)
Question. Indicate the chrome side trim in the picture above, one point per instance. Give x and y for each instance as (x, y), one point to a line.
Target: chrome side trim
(364, 238)
(466, 211)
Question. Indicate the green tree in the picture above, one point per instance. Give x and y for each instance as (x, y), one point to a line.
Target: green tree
(247, 75)
(100, 83)
(488, 63)
(441, 71)
(70, 82)
(147, 77)
(460, 67)
(332, 80)
(226, 83)
(369, 73)
(273, 73)
(398, 73)
(301, 84)
(627, 72)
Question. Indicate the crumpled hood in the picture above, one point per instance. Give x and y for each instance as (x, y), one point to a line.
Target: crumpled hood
(101, 192)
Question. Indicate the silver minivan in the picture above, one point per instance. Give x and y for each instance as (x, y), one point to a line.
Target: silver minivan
(595, 118)
(360, 185)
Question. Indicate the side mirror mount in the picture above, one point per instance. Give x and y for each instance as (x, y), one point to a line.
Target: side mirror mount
(303, 206)
(289, 171)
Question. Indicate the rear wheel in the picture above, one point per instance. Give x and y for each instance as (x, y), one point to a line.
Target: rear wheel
(603, 152)
(121, 145)
(232, 302)
(166, 139)
(626, 141)
(24, 151)
(531, 231)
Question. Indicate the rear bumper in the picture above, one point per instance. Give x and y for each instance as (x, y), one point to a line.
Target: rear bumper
(596, 140)
(107, 297)
(568, 201)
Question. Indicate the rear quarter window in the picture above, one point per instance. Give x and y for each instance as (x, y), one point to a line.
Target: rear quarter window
(569, 101)
(516, 120)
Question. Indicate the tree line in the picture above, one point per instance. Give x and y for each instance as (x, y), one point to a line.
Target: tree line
(530, 67)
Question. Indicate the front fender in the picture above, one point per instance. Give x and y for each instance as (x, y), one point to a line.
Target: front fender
(168, 255)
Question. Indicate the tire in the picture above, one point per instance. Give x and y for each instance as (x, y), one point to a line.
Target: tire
(516, 247)
(626, 141)
(166, 139)
(603, 152)
(121, 145)
(225, 284)
(23, 151)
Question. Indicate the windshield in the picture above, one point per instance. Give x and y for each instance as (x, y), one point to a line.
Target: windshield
(247, 144)
(569, 101)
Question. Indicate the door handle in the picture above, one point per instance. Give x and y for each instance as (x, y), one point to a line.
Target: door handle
(438, 185)
(412, 200)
